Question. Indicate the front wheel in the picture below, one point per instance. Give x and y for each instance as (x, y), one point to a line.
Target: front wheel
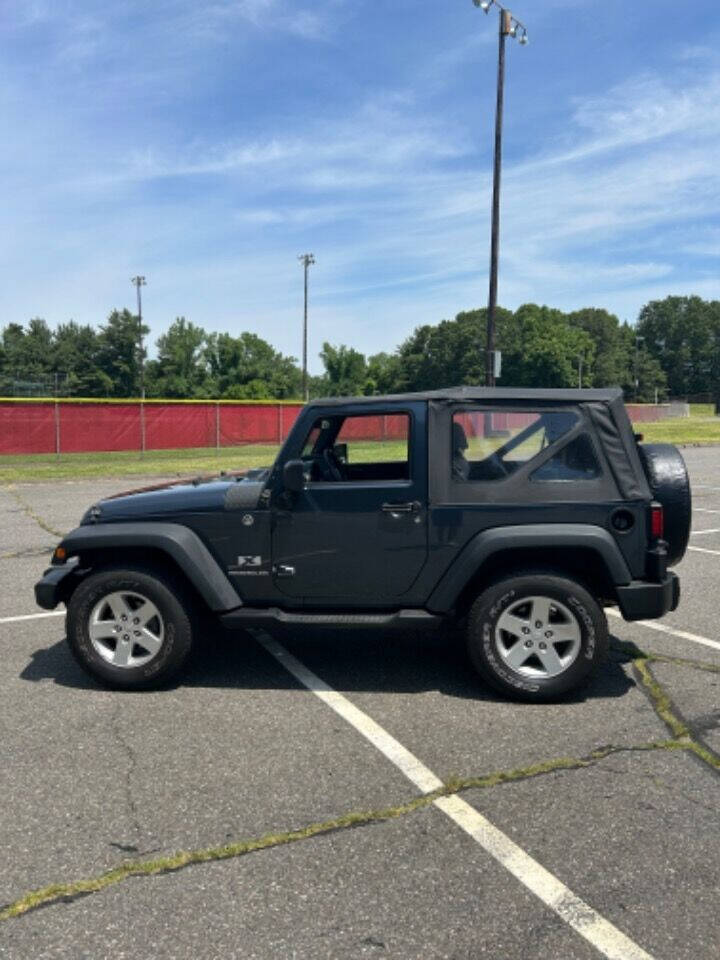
(536, 636)
(129, 628)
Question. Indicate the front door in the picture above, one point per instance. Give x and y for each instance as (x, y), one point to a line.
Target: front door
(357, 533)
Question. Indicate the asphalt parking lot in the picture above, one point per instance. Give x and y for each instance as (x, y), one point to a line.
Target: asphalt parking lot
(333, 795)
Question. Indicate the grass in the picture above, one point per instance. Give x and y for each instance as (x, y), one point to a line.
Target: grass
(702, 409)
(38, 468)
(683, 431)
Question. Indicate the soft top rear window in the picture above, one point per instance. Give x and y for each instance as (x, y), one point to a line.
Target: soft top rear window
(491, 445)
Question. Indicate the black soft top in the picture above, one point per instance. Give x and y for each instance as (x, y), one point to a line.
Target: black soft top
(605, 409)
(460, 394)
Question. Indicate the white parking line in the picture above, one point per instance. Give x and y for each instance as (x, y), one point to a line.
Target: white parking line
(33, 616)
(705, 510)
(598, 931)
(664, 628)
(698, 533)
(705, 550)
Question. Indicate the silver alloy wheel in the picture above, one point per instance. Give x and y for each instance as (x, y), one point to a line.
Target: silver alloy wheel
(126, 629)
(538, 637)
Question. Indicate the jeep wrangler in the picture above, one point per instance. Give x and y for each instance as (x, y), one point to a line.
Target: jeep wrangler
(517, 514)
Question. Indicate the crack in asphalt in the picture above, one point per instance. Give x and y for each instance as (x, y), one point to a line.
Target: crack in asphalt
(67, 892)
(28, 510)
(127, 779)
(29, 552)
(682, 739)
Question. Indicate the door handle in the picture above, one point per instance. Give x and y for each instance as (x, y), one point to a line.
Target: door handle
(413, 507)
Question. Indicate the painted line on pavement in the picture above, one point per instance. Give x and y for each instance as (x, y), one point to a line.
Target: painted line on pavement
(598, 931)
(699, 533)
(664, 628)
(705, 510)
(705, 550)
(33, 616)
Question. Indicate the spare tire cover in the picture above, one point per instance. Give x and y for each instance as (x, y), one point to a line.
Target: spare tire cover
(670, 486)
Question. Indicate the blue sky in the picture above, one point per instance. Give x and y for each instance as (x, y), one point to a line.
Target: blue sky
(207, 144)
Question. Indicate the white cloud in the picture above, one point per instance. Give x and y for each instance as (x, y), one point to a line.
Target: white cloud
(390, 194)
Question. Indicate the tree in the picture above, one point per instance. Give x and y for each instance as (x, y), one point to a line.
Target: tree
(75, 361)
(27, 354)
(181, 368)
(611, 364)
(249, 367)
(448, 354)
(382, 374)
(645, 379)
(119, 352)
(345, 372)
(542, 349)
(683, 334)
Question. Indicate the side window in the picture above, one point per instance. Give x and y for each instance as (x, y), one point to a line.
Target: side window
(575, 461)
(491, 445)
(358, 448)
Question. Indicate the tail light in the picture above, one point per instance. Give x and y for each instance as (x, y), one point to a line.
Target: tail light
(657, 521)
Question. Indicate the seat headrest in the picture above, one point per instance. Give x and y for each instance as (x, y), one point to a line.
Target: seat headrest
(458, 437)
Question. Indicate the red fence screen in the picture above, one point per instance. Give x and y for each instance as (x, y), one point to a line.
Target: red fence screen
(83, 427)
(71, 426)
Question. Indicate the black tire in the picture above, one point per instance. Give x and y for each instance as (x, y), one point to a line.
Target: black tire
(175, 620)
(670, 485)
(571, 609)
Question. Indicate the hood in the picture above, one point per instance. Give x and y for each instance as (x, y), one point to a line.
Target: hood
(204, 495)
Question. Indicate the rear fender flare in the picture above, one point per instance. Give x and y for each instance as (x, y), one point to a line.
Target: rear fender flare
(180, 543)
(550, 535)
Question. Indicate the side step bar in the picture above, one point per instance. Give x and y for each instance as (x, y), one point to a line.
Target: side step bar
(249, 616)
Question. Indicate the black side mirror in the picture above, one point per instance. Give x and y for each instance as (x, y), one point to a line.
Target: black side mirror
(294, 476)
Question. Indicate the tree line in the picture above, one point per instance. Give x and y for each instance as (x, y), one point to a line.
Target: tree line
(672, 351)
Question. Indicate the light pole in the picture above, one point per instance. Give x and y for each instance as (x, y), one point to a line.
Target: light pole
(307, 260)
(580, 359)
(141, 282)
(638, 340)
(509, 27)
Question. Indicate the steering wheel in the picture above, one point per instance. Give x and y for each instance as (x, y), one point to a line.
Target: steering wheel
(497, 463)
(329, 466)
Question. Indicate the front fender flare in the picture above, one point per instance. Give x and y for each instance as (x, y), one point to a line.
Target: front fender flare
(549, 535)
(180, 543)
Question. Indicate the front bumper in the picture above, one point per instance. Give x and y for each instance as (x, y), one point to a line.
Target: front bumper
(641, 600)
(55, 585)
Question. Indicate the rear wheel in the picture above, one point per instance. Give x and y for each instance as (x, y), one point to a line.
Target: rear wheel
(536, 636)
(129, 628)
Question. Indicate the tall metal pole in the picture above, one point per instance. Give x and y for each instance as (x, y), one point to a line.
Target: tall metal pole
(505, 23)
(141, 282)
(509, 26)
(307, 259)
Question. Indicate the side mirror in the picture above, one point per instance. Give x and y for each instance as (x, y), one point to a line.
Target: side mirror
(294, 476)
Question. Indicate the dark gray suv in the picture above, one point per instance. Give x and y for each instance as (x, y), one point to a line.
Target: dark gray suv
(518, 514)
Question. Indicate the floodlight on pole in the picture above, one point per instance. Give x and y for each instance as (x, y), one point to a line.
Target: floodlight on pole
(510, 26)
(307, 260)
